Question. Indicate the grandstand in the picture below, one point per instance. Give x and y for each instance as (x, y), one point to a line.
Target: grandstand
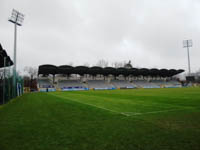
(172, 83)
(122, 84)
(84, 78)
(70, 84)
(99, 84)
(140, 83)
(45, 83)
(158, 82)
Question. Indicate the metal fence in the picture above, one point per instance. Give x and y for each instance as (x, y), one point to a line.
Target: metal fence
(7, 90)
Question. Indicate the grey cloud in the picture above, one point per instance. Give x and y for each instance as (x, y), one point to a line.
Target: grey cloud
(149, 33)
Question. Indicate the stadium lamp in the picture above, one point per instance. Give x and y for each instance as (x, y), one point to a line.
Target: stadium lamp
(17, 18)
(187, 44)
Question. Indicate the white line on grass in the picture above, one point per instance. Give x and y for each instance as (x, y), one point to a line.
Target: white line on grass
(137, 102)
(151, 112)
(92, 105)
(128, 114)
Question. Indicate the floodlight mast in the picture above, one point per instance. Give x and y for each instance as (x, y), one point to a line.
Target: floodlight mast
(187, 44)
(16, 18)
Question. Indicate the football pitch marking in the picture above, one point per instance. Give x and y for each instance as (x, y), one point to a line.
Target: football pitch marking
(127, 114)
(150, 112)
(90, 105)
(141, 101)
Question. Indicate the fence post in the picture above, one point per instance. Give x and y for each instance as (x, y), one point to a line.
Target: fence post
(8, 81)
(4, 79)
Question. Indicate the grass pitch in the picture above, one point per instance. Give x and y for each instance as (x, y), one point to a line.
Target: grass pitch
(146, 119)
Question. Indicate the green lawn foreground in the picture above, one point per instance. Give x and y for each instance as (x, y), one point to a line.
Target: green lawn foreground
(79, 120)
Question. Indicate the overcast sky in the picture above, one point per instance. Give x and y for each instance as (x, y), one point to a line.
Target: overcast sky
(150, 33)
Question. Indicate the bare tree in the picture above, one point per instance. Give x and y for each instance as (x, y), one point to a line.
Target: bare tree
(102, 63)
(198, 72)
(70, 63)
(118, 64)
(31, 71)
(197, 75)
(86, 64)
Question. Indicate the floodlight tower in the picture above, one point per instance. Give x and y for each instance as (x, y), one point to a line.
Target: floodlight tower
(187, 44)
(16, 18)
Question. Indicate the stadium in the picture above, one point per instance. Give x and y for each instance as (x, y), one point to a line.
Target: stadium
(89, 106)
(98, 78)
(99, 108)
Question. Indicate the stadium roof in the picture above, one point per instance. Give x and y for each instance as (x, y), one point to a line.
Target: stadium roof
(95, 70)
(3, 54)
